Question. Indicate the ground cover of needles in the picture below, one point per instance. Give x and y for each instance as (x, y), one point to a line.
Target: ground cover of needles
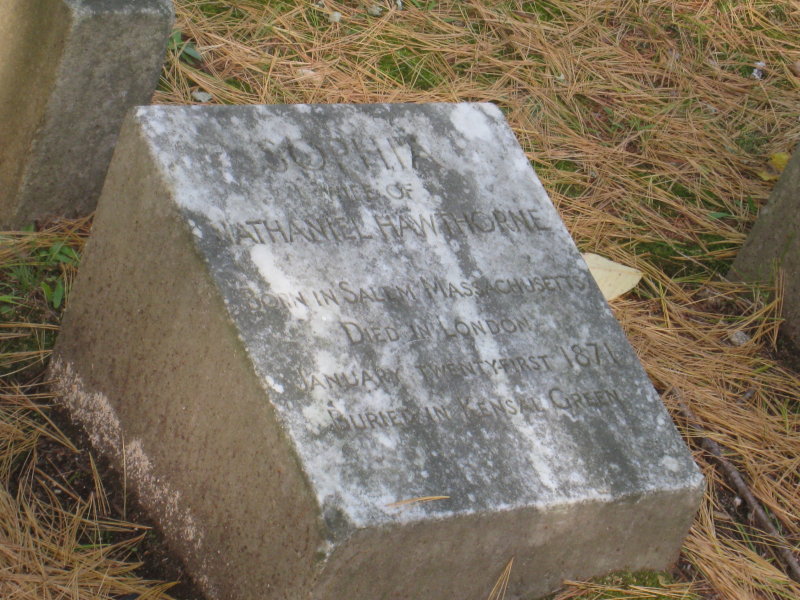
(658, 128)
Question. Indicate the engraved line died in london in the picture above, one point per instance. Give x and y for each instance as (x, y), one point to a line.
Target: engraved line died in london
(387, 227)
(447, 329)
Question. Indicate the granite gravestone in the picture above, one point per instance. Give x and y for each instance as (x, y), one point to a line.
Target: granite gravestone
(352, 352)
(70, 70)
(774, 243)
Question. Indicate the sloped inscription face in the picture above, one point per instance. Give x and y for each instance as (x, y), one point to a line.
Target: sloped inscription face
(416, 311)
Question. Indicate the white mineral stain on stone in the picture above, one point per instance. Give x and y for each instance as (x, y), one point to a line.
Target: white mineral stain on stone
(157, 127)
(316, 415)
(325, 326)
(387, 440)
(255, 288)
(279, 281)
(670, 463)
(320, 395)
(227, 168)
(101, 423)
(274, 384)
(542, 452)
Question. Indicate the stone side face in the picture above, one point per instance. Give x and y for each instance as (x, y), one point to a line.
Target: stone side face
(774, 243)
(150, 365)
(463, 558)
(272, 426)
(28, 67)
(71, 70)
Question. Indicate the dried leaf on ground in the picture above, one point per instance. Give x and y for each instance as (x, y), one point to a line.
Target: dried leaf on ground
(612, 278)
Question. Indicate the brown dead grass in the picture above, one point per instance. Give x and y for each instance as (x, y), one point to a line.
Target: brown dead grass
(54, 541)
(626, 108)
(646, 127)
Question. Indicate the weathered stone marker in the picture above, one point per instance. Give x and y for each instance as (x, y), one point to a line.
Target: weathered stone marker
(774, 243)
(70, 70)
(292, 319)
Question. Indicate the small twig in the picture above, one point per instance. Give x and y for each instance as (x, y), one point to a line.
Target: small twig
(416, 501)
(124, 481)
(501, 586)
(780, 545)
(57, 484)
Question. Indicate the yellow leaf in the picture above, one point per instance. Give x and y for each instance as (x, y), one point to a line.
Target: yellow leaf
(769, 175)
(779, 160)
(612, 278)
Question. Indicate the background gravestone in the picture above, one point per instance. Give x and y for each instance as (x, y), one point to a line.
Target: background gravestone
(292, 319)
(774, 243)
(69, 72)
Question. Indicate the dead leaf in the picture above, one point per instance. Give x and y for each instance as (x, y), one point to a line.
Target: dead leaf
(779, 160)
(777, 163)
(612, 278)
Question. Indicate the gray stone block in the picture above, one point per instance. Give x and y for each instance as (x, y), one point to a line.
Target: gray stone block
(70, 70)
(774, 243)
(292, 319)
